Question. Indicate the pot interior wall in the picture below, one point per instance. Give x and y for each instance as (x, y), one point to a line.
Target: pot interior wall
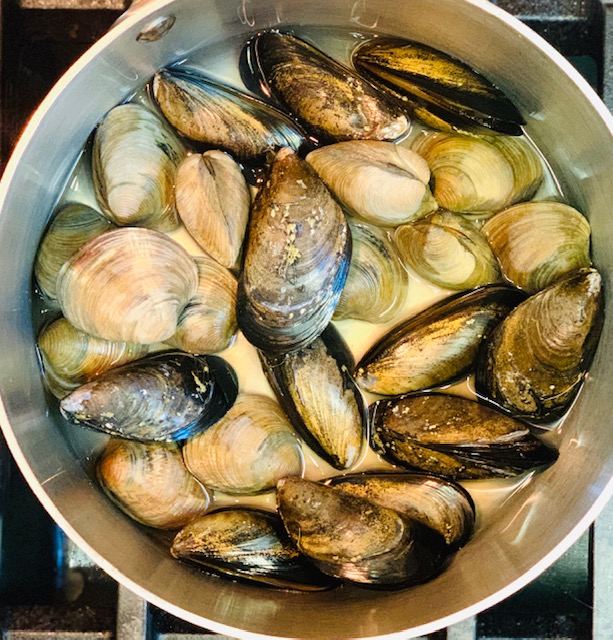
(536, 523)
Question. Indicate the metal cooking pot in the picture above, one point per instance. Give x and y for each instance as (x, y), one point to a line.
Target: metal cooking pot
(537, 522)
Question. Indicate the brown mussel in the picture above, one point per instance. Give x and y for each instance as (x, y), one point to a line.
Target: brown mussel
(436, 346)
(535, 361)
(454, 437)
(315, 389)
(165, 396)
(248, 544)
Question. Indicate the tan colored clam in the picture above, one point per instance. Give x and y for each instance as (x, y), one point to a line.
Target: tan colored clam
(129, 284)
(213, 202)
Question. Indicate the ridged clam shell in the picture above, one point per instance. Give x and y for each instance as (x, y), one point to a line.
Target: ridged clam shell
(70, 228)
(448, 251)
(248, 450)
(381, 182)
(213, 202)
(375, 274)
(208, 322)
(533, 365)
(454, 437)
(437, 345)
(330, 100)
(479, 175)
(538, 242)
(162, 397)
(150, 483)
(71, 357)
(354, 539)
(248, 544)
(134, 160)
(222, 117)
(129, 285)
(296, 258)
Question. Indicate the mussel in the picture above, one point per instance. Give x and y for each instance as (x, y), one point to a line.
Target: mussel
(332, 102)
(454, 437)
(296, 258)
(149, 482)
(165, 396)
(351, 538)
(248, 544)
(248, 450)
(437, 345)
(315, 389)
(535, 361)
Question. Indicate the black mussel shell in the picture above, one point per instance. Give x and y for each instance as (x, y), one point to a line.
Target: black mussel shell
(454, 437)
(315, 389)
(167, 396)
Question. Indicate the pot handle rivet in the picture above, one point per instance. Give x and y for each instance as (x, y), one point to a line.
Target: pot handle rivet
(156, 29)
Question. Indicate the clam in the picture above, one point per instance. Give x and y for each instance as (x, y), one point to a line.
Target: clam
(454, 437)
(208, 323)
(375, 274)
(222, 117)
(71, 357)
(534, 363)
(128, 284)
(134, 160)
(161, 397)
(150, 483)
(448, 251)
(213, 202)
(351, 538)
(380, 182)
(248, 450)
(315, 389)
(331, 101)
(247, 544)
(296, 258)
(538, 242)
(437, 345)
(441, 504)
(70, 228)
(479, 175)
(443, 91)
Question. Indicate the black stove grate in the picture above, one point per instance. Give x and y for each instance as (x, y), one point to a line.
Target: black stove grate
(49, 589)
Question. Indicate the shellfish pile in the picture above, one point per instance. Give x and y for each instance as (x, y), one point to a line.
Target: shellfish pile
(208, 301)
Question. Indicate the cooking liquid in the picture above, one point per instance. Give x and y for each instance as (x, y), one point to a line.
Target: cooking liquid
(221, 62)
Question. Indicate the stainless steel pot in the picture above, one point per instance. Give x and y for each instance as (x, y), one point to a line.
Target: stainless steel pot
(536, 524)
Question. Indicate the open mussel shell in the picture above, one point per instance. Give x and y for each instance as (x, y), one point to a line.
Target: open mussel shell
(440, 504)
(128, 284)
(538, 242)
(454, 437)
(448, 251)
(479, 175)
(332, 102)
(71, 227)
(134, 160)
(437, 84)
(71, 357)
(534, 363)
(436, 346)
(149, 482)
(315, 389)
(165, 396)
(375, 274)
(380, 182)
(248, 544)
(351, 538)
(248, 450)
(222, 117)
(207, 324)
(213, 202)
(296, 261)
